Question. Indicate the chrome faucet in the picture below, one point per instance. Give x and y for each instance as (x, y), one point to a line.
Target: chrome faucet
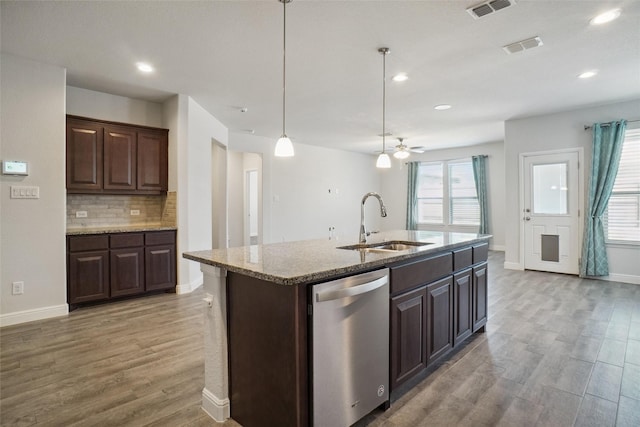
(383, 213)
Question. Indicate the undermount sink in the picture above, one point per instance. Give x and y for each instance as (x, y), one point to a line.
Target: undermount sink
(394, 246)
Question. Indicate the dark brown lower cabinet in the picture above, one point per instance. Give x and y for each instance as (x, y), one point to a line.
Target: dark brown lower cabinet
(105, 266)
(439, 318)
(160, 265)
(127, 271)
(479, 296)
(462, 302)
(408, 322)
(88, 276)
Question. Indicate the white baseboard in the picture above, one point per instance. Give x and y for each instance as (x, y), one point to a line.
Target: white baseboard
(218, 409)
(624, 278)
(34, 314)
(189, 287)
(500, 248)
(513, 266)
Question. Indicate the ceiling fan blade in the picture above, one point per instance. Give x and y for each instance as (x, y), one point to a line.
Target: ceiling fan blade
(419, 149)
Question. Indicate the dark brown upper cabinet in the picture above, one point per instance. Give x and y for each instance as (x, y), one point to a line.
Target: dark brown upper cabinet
(115, 158)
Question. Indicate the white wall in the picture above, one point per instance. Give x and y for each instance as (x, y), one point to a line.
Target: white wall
(32, 232)
(297, 204)
(104, 106)
(553, 132)
(394, 186)
(194, 178)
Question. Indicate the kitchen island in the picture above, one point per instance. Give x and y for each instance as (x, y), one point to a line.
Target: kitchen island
(257, 361)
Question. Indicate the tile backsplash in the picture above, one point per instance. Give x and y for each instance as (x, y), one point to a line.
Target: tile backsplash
(115, 210)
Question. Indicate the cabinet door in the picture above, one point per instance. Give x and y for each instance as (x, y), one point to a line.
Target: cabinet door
(479, 296)
(127, 271)
(439, 318)
(462, 312)
(160, 267)
(119, 158)
(152, 160)
(84, 156)
(88, 276)
(408, 333)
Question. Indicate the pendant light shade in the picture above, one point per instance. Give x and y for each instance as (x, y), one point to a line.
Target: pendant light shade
(284, 147)
(384, 161)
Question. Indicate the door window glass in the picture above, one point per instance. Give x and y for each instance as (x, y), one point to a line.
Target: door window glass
(550, 189)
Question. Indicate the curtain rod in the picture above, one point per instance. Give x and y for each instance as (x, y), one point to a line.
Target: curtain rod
(587, 127)
(448, 160)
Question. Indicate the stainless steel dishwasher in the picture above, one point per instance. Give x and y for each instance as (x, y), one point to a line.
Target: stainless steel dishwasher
(350, 348)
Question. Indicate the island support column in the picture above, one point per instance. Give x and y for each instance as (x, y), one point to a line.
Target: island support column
(215, 395)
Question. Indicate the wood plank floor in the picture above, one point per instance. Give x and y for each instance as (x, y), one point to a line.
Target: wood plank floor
(558, 351)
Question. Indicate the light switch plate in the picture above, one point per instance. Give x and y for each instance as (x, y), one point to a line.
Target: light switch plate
(25, 192)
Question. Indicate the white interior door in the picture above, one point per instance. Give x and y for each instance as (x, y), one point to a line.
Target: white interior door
(550, 212)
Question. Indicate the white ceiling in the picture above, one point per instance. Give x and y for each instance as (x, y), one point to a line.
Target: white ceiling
(228, 55)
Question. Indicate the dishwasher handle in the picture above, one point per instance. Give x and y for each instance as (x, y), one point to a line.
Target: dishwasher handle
(353, 291)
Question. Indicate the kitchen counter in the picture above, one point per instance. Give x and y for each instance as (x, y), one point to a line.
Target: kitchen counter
(79, 231)
(300, 262)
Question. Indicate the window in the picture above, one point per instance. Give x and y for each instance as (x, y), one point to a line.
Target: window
(622, 219)
(447, 194)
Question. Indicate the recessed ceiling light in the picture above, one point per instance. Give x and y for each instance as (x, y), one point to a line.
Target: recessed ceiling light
(605, 17)
(442, 107)
(400, 77)
(587, 74)
(144, 67)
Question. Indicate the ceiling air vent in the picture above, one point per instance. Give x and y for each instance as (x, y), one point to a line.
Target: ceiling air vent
(486, 8)
(523, 45)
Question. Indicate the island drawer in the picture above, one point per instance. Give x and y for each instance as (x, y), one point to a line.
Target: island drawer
(480, 253)
(160, 238)
(462, 259)
(88, 243)
(126, 240)
(410, 275)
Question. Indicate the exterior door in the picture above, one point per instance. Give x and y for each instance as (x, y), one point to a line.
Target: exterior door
(550, 212)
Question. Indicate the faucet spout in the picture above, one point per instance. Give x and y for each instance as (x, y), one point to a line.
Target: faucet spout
(383, 213)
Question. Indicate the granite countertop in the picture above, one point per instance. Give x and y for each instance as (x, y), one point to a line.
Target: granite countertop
(78, 231)
(293, 263)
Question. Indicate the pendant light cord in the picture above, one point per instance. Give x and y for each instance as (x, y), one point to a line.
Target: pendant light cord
(284, 66)
(384, 98)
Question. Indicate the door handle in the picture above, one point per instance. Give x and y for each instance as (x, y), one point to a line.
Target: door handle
(353, 291)
(527, 218)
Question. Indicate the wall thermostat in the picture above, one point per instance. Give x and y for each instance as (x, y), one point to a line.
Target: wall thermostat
(15, 168)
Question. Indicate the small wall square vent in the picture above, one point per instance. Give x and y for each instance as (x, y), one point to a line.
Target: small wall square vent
(523, 45)
(483, 9)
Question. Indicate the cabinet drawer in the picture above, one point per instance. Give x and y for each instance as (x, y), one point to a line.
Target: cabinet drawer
(462, 259)
(126, 240)
(160, 238)
(480, 253)
(417, 273)
(88, 243)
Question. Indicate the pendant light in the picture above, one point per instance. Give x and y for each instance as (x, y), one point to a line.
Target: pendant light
(284, 148)
(384, 161)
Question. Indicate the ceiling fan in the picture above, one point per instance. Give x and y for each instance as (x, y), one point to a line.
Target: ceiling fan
(402, 151)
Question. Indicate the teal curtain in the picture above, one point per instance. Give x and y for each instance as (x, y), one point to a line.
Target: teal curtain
(412, 196)
(607, 148)
(480, 177)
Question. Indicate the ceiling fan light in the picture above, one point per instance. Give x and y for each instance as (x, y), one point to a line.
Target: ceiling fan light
(384, 161)
(605, 17)
(401, 154)
(284, 147)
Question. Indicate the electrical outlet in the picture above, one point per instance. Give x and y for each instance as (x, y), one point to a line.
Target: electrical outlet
(17, 288)
(135, 212)
(81, 214)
